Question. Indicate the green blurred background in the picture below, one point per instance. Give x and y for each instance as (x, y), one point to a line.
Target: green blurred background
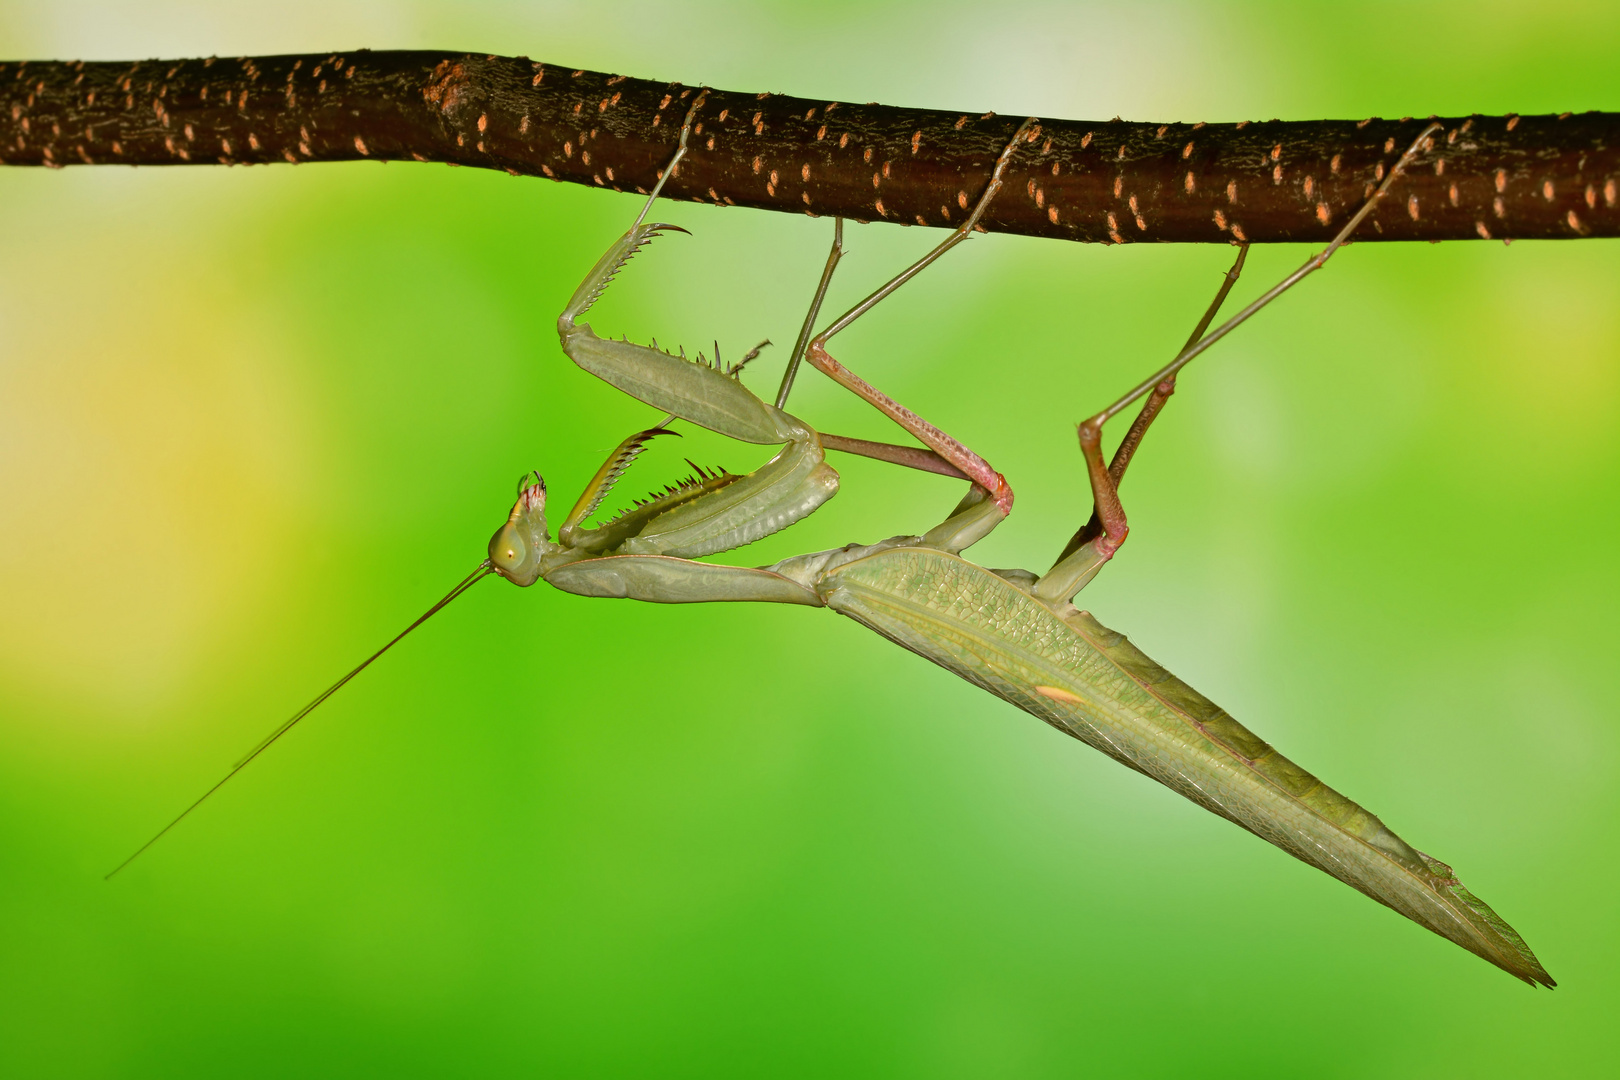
(252, 421)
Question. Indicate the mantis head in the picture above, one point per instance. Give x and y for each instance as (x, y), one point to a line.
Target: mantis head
(516, 548)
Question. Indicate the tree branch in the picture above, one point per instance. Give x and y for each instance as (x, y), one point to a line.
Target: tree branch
(1505, 178)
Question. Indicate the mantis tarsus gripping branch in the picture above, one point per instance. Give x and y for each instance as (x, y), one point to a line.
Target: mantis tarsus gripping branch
(1011, 632)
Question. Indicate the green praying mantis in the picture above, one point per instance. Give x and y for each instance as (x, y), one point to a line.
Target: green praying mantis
(1013, 633)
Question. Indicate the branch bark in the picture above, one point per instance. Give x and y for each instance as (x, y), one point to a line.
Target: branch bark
(1502, 177)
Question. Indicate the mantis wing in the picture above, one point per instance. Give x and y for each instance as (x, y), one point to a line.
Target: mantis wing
(1087, 681)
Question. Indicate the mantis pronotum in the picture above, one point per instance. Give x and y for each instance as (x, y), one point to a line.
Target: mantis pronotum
(1011, 632)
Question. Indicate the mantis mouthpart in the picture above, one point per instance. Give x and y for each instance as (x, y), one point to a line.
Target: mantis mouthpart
(1013, 633)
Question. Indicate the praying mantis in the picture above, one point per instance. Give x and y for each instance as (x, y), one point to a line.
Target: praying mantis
(1013, 633)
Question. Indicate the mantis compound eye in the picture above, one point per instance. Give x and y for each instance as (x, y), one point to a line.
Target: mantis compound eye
(507, 550)
(509, 554)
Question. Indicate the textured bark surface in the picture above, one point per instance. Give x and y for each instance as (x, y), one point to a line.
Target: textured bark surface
(1503, 177)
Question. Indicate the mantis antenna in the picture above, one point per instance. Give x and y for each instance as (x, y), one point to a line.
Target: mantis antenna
(483, 570)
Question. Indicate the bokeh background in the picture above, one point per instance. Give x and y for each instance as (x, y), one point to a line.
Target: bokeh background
(252, 421)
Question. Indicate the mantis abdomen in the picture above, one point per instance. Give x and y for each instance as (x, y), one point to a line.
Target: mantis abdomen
(1090, 682)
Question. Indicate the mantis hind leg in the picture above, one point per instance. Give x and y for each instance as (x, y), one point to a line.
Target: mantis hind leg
(1090, 549)
(1096, 541)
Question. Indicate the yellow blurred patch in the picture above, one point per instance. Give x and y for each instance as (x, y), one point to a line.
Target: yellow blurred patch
(148, 454)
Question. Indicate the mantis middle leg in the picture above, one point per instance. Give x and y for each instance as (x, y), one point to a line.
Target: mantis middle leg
(991, 497)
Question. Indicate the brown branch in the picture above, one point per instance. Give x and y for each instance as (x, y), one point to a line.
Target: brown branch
(1507, 177)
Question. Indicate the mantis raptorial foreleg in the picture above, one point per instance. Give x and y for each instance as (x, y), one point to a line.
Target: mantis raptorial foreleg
(642, 554)
(705, 395)
(710, 516)
(714, 514)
